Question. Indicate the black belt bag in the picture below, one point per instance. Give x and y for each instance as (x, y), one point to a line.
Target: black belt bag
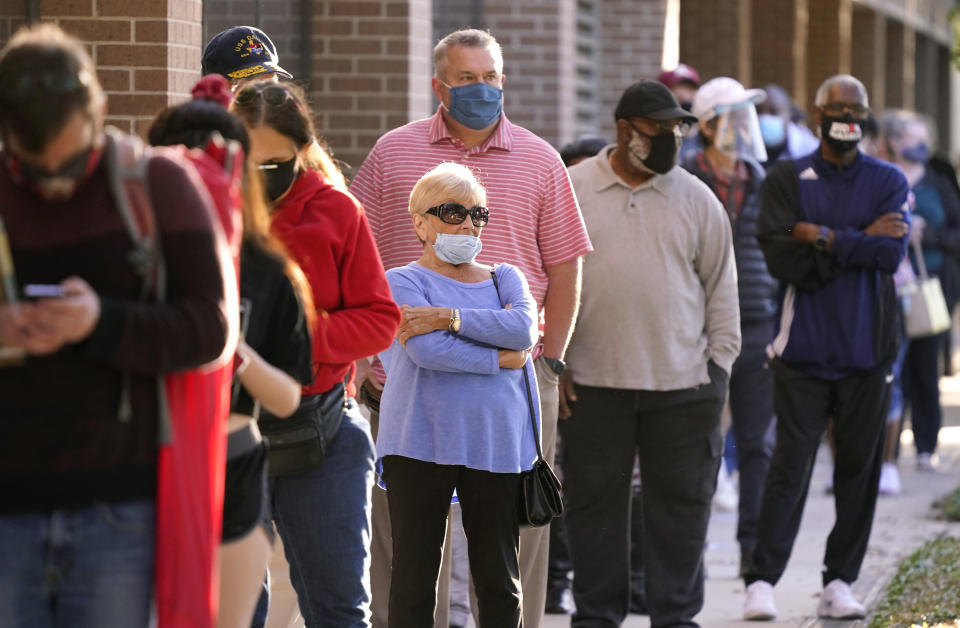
(299, 443)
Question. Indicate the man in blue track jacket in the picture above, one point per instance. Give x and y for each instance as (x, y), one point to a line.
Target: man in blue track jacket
(833, 229)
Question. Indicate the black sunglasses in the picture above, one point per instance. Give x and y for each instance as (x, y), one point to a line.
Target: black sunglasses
(455, 214)
(273, 95)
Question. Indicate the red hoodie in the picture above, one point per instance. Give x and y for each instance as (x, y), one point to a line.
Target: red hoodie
(326, 231)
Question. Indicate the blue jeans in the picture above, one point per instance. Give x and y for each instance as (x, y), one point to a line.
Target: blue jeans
(80, 567)
(323, 516)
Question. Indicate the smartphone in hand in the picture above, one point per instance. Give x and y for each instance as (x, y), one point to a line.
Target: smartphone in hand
(43, 291)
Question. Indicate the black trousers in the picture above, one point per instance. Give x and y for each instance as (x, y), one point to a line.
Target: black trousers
(559, 567)
(677, 435)
(751, 407)
(804, 404)
(921, 390)
(558, 562)
(419, 495)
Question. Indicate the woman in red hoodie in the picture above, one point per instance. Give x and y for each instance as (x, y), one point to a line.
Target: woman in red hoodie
(322, 458)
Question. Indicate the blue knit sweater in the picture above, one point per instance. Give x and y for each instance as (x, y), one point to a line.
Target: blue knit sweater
(446, 400)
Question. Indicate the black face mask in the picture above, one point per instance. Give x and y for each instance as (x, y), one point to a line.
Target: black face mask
(842, 134)
(663, 151)
(279, 177)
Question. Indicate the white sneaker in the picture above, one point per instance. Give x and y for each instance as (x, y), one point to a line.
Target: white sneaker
(889, 479)
(726, 497)
(759, 604)
(927, 462)
(837, 602)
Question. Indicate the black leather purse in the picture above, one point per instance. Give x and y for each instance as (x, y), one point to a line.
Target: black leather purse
(540, 498)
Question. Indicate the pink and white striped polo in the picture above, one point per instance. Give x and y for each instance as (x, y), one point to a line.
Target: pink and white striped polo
(535, 221)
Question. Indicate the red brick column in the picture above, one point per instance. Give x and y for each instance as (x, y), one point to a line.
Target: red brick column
(868, 56)
(779, 45)
(147, 52)
(710, 37)
(828, 42)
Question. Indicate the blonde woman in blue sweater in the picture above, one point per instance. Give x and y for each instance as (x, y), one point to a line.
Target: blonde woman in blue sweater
(454, 413)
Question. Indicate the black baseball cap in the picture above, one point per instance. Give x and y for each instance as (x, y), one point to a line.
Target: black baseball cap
(240, 53)
(650, 99)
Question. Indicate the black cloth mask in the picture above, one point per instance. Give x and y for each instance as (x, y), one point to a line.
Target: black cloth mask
(279, 177)
(662, 155)
(842, 134)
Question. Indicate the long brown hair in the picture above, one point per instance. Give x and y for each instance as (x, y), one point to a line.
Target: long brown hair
(292, 118)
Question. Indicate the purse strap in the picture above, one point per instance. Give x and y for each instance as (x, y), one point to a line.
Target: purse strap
(526, 383)
(921, 263)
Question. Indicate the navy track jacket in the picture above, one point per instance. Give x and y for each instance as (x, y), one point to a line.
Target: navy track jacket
(838, 313)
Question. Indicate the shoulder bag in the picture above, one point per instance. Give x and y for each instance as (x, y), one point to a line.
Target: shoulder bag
(540, 499)
(924, 308)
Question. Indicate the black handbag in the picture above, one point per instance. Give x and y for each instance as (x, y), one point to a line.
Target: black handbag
(540, 498)
(299, 442)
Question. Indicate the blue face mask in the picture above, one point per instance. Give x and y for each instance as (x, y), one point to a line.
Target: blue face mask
(456, 248)
(772, 129)
(475, 106)
(918, 154)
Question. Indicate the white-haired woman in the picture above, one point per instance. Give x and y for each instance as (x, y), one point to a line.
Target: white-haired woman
(454, 412)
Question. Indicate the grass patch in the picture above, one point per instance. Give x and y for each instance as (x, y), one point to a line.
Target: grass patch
(950, 505)
(924, 592)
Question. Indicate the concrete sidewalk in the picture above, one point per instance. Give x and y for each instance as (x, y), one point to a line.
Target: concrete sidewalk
(902, 523)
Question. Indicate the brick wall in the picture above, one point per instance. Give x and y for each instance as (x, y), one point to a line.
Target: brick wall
(893, 96)
(828, 42)
(12, 15)
(146, 51)
(867, 56)
(537, 38)
(452, 15)
(710, 33)
(371, 70)
(631, 36)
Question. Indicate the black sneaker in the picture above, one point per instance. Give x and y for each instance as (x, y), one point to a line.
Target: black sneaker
(557, 601)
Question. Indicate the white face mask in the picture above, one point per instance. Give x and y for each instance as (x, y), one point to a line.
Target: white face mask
(457, 249)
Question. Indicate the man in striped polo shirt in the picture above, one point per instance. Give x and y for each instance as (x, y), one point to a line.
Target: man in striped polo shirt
(535, 223)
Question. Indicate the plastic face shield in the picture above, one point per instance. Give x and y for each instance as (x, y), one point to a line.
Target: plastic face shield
(738, 132)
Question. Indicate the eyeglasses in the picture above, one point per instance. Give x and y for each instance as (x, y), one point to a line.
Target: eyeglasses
(455, 214)
(273, 95)
(677, 127)
(839, 108)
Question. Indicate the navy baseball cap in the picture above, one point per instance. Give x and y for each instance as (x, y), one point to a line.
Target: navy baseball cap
(240, 53)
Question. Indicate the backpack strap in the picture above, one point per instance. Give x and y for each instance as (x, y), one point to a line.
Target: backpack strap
(127, 161)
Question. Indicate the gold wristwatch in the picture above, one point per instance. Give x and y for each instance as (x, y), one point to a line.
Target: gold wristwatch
(454, 325)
